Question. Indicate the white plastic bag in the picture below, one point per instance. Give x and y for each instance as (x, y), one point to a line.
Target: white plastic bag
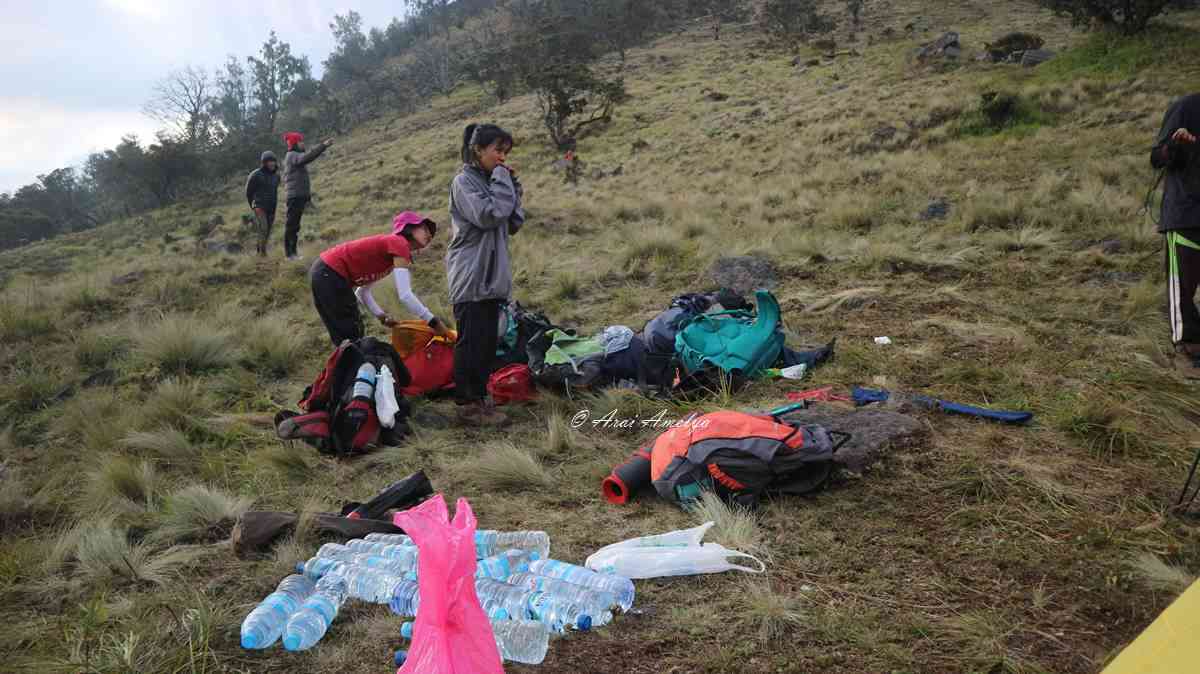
(794, 372)
(385, 398)
(676, 553)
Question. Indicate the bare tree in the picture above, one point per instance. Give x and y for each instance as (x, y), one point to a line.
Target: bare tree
(183, 99)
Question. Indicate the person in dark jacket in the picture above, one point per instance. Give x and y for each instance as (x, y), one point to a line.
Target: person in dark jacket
(262, 192)
(485, 210)
(297, 187)
(1177, 153)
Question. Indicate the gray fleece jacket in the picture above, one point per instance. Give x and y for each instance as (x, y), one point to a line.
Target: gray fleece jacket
(295, 171)
(484, 211)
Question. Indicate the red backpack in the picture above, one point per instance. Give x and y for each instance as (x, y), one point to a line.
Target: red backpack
(511, 384)
(333, 420)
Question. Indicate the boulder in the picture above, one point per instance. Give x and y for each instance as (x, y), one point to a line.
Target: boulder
(938, 48)
(1035, 57)
(744, 274)
(873, 432)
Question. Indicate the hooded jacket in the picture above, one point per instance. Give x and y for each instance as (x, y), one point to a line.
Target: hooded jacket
(1181, 183)
(485, 210)
(295, 171)
(262, 187)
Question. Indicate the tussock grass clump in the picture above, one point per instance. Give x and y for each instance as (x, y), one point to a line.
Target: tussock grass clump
(167, 442)
(94, 350)
(734, 527)
(30, 388)
(122, 484)
(1103, 426)
(289, 460)
(21, 323)
(198, 514)
(769, 612)
(1161, 576)
(98, 419)
(503, 465)
(17, 504)
(993, 210)
(183, 344)
(104, 553)
(560, 437)
(175, 402)
(271, 347)
(651, 248)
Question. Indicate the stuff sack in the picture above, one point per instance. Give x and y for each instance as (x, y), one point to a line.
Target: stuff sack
(452, 634)
(431, 368)
(737, 343)
(740, 457)
(510, 384)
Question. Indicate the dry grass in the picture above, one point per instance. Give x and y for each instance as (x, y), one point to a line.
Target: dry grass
(769, 613)
(504, 466)
(733, 526)
(167, 443)
(1162, 576)
(122, 484)
(184, 344)
(198, 513)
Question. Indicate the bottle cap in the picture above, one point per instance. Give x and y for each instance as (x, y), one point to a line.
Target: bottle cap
(401, 656)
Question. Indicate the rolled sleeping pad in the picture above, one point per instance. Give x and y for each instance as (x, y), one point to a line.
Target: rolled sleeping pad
(627, 478)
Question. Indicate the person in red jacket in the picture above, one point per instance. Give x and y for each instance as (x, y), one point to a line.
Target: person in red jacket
(342, 277)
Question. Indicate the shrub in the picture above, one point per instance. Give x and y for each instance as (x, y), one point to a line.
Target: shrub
(793, 22)
(1003, 112)
(1126, 16)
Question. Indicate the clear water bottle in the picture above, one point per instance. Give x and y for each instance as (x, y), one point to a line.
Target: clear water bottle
(390, 539)
(489, 542)
(406, 552)
(406, 601)
(367, 584)
(566, 591)
(618, 585)
(364, 382)
(505, 564)
(524, 604)
(264, 624)
(309, 624)
(524, 641)
(316, 567)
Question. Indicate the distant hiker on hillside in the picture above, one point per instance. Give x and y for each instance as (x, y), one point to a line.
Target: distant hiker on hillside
(485, 209)
(262, 193)
(343, 275)
(1178, 153)
(297, 187)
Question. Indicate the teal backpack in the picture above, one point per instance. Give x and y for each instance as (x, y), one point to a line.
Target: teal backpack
(734, 342)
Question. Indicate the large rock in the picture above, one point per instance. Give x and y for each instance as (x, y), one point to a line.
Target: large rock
(1001, 49)
(745, 273)
(945, 46)
(873, 432)
(1035, 57)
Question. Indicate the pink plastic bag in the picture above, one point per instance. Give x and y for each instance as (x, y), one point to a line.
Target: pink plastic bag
(451, 634)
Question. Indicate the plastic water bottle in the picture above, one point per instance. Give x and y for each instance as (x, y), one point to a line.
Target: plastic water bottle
(264, 624)
(367, 584)
(406, 601)
(401, 656)
(407, 552)
(524, 641)
(505, 564)
(531, 605)
(309, 624)
(316, 567)
(566, 591)
(489, 542)
(364, 382)
(390, 539)
(618, 585)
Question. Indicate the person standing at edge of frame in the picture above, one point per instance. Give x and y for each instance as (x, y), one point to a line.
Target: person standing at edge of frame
(485, 210)
(1177, 153)
(297, 187)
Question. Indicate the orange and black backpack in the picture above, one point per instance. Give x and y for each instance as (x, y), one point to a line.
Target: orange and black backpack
(740, 457)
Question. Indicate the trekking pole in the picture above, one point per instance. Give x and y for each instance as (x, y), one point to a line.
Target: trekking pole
(1188, 483)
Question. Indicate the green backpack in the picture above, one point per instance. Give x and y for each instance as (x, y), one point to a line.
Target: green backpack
(735, 342)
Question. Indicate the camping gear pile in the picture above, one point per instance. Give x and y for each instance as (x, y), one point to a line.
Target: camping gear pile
(514, 579)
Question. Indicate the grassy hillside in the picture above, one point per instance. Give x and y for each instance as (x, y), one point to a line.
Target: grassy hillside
(982, 549)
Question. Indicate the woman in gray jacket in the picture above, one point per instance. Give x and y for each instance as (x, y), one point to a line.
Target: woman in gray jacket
(485, 209)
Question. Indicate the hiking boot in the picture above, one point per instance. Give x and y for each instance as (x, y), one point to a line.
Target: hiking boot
(480, 414)
(1187, 364)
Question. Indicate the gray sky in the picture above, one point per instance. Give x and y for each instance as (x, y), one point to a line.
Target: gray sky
(76, 73)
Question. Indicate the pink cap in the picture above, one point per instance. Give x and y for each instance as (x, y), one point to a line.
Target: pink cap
(403, 220)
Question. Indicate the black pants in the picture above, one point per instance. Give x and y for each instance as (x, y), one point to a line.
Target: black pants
(291, 229)
(266, 219)
(475, 350)
(338, 307)
(1183, 277)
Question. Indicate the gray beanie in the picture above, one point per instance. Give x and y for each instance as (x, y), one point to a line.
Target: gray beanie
(268, 155)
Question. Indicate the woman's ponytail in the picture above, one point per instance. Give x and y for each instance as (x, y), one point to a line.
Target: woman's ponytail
(468, 154)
